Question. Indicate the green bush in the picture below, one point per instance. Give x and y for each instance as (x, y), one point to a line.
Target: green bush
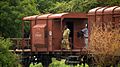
(56, 63)
(36, 65)
(7, 58)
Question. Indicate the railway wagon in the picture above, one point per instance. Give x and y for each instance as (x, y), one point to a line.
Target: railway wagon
(45, 38)
(46, 34)
(46, 31)
(102, 22)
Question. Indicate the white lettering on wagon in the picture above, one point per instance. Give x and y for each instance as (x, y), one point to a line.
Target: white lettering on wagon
(38, 35)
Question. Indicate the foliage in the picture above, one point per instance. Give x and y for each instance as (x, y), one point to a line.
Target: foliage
(56, 63)
(52, 6)
(108, 2)
(12, 13)
(7, 58)
(82, 5)
(105, 42)
(60, 7)
(19, 65)
(36, 65)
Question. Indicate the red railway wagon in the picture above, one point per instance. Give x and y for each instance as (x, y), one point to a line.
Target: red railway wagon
(46, 30)
(105, 19)
(46, 36)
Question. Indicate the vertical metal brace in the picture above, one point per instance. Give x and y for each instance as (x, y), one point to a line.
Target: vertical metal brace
(61, 33)
(103, 14)
(96, 12)
(113, 18)
(47, 32)
(23, 35)
(36, 19)
(31, 36)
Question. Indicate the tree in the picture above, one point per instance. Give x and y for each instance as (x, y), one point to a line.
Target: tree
(51, 6)
(108, 2)
(59, 6)
(12, 13)
(7, 58)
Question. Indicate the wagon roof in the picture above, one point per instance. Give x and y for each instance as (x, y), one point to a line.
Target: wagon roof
(104, 10)
(68, 15)
(57, 15)
(30, 17)
(53, 16)
(44, 16)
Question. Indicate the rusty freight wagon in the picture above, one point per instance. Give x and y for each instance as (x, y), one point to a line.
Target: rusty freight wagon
(104, 33)
(46, 35)
(46, 31)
